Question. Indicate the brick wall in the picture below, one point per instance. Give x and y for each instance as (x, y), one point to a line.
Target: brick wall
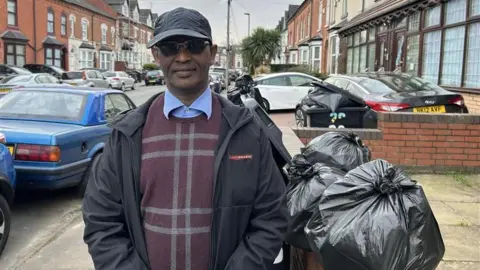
(473, 102)
(424, 143)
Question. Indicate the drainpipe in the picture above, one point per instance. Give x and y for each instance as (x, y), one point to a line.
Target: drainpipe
(93, 43)
(34, 32)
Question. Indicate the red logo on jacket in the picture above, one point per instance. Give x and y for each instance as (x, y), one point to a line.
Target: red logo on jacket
(240, 157)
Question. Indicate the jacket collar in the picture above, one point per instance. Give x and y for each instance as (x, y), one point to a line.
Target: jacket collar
(129, 122)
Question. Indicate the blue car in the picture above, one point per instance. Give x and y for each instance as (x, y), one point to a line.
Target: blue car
(55, 134)
(7, 187)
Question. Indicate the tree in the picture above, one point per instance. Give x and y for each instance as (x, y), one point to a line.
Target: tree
(261, 47)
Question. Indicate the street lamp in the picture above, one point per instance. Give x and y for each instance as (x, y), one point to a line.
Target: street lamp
(248, 14)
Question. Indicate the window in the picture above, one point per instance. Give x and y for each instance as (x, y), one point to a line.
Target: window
(345, 8)
(125, 29)
(363, 58)
(452, 61)
(333, 9)
(50, 21)
(135, 32)
(431, 56)
(15, 54)
(72, 26)
(316, 59)
(276, 81)
(342, 83)
(472, 62)
(413, 22)
(53, 57)
(413, 53)
(106, 60)
(86, 59)
(307, 32)
(104, 33)
(112, 31)
(300, 81)
(115, 104)
(371, 57)
(474, 8)
(84, 29)
(455, 11)
(432, 16)
(349, 60)
(304, 57)
(320, 15)
(333, 54)
(12, 12)
(63, 25)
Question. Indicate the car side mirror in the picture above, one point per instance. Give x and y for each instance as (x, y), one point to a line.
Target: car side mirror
(104, 77)
(310, 90)
(60, 82)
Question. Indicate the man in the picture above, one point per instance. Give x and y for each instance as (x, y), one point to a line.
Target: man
(187, 180)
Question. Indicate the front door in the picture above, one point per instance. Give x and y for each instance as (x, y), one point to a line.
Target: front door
(382, 52)
(398, 51)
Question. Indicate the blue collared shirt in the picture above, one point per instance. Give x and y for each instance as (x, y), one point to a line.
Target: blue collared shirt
(173, 106)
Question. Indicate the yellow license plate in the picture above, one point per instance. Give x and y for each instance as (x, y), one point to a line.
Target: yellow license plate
(4, 90)
(10, 149)
(430, 109)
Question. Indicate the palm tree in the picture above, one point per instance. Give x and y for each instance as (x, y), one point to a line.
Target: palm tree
(261, 47)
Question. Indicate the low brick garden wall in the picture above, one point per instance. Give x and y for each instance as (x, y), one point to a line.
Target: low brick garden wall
(419, 142)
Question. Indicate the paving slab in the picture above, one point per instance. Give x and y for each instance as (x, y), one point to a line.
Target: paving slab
(67, 252)
(456, 265)
(462, 243)
(446, 189)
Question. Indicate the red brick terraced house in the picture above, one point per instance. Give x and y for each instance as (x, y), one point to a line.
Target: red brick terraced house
(70, 34)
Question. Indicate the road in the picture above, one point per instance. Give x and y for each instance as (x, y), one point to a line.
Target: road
(41, 217)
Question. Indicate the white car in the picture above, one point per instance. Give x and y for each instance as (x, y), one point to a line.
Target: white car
(120, 80)
(283, 91)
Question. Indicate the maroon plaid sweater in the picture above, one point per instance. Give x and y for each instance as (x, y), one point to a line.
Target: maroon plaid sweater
(177, 185)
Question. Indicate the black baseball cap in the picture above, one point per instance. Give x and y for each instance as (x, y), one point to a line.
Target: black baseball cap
(181, 22)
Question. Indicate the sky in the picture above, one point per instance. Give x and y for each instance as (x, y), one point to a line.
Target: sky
(263, 13)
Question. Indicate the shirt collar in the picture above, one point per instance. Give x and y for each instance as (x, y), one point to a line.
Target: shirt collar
(203, 103)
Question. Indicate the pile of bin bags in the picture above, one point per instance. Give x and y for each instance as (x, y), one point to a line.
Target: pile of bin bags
(359, 214)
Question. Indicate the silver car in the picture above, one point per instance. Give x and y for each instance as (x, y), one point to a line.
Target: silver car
(86, 78)
(120, 80)
(20, 81)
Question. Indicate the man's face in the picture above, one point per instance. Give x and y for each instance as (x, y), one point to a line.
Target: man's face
(185, 62)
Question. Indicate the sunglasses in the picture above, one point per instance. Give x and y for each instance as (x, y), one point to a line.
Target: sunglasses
(171, 48)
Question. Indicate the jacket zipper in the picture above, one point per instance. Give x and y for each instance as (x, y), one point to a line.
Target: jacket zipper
(218, 159)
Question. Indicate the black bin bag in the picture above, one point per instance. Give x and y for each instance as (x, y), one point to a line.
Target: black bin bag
(307, 184)
(339, 150)
(375, 218)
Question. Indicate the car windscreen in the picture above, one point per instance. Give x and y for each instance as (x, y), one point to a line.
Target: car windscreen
(57, 69)
(222, 70)
(153, 73)
(109, 74)
(16, 79)
(20, 70)
(73, 75)
(43, 105)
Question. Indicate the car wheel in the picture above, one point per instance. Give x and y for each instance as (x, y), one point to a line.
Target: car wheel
(109, 86)
(5, 221)
(123, 87)
(300, 117)
(80, 189)
(133, 86)
(266, 105)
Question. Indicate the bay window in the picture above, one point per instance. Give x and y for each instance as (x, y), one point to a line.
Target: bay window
(86, 59)
(472, 59)
(53, 57)
(106, 60)
(14, 54)
(316, 59)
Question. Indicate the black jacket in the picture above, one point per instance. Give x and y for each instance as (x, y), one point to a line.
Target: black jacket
(249, 216)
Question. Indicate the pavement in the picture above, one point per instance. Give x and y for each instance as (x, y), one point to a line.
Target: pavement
(47, 231)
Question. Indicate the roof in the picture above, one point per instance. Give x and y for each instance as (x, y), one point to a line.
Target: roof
(144, 13)
(133, 5)
(97, 6)
(105, 48)
(52, 41)
(86, 45)
(293, 9)
(387, 11)
(14, 35)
